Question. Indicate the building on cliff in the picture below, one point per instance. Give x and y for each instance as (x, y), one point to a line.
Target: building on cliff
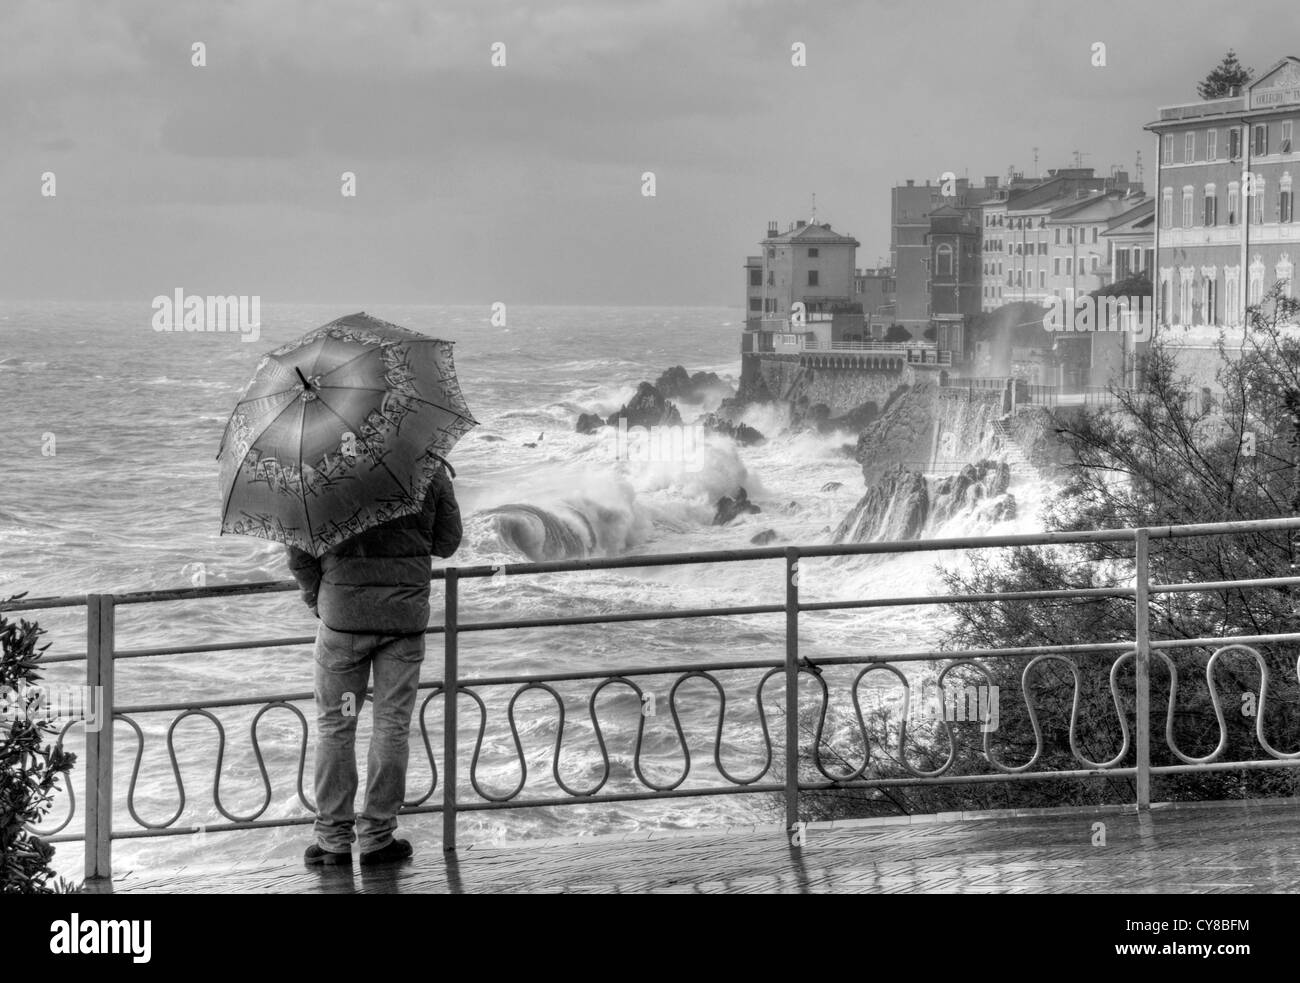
(1226, 229)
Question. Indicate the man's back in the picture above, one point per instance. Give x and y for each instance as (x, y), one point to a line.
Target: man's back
(378, 582)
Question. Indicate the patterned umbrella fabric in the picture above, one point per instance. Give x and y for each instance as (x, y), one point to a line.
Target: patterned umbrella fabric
(338, 432)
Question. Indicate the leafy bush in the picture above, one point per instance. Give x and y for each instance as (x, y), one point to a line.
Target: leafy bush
(30, 767)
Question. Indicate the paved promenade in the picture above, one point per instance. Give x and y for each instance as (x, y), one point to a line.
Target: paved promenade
(1251, 846)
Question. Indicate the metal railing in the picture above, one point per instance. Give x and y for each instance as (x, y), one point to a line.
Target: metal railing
(102, 657)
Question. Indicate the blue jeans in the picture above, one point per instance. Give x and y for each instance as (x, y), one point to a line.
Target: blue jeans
(343, 667)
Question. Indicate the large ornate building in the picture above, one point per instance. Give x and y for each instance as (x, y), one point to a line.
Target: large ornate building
(1226, 229)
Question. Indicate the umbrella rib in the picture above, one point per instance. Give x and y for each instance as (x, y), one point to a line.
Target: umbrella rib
(370, 349)
(418, 399)
(231, 494)
(252, 399)
(302, 484)
(396, 480)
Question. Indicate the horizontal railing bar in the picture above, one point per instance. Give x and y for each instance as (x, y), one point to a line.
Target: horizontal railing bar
(45, 603)
(1025, 595)
(1175, 643)
(607, 619)
(1224, 585)
(217, 590)
(216, 647)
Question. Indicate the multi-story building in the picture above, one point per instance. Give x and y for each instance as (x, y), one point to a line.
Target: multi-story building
(1026, 238)
(1077, 253)
(909, 251)
(954, 261)
(876, 291)
(1226, 229)
(1130, 241)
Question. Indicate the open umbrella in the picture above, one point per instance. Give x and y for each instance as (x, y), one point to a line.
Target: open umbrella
(338, 432)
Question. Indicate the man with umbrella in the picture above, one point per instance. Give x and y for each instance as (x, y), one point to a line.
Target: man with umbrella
(336, 451)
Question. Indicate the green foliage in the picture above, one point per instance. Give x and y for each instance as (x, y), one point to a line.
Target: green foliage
(897, 332)
(1164, 456)
(30, 768)
(1226, 76)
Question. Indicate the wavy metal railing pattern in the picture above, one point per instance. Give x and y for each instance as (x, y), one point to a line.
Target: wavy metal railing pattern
(808, 671)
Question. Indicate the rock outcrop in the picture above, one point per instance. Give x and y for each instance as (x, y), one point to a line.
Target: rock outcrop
(677, 383)
(648, 408)
(741, 433)
(729, 507)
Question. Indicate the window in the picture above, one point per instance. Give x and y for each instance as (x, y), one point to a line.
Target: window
(1286, 137)
(756, 304)
(812, 252)
(1137, 259)
(1069, 235)
(1166, 208)
(1094, 235)
(1286, 201)
(1096, 262)
(771, 253)
(1042, 248)
(1042, 278)
(1261, 140)
(1189, 147)
(755, 278)
(1234, 143)
(1232, 295)
(812, 278)
(1058, 237)
(1210, 211)
(1256, 281)
(1056, 266)
(1234, 202)
(1211, 289)
(1185, 296)
(1257, 200)
(1187, 207)
(943, 260)
(1285, 272)
(1069, 266)
(1169, 148)
(1212, 145)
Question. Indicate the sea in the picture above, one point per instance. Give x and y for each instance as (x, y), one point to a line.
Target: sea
(108, 484)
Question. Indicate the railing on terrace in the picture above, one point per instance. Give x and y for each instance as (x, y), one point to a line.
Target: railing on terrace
(446, 796)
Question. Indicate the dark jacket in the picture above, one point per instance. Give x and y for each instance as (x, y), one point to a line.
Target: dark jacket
(378, 582)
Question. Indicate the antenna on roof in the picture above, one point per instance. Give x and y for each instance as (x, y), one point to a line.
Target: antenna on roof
(1035, 163)
(1137, 168)
(813, 219)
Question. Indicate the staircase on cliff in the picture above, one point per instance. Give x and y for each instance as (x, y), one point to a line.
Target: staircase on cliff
(1012, 451)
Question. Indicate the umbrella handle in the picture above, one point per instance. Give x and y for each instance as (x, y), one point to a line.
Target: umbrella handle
(445, 463)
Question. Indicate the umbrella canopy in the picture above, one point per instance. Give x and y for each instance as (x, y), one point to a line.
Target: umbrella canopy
(338, 432)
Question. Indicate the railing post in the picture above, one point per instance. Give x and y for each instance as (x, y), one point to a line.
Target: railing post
(1142, 669)
(450, 671)
(791, 687)
(99, 742)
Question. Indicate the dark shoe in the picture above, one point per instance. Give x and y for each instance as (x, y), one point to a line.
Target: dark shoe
(396, 850)
(316, 857)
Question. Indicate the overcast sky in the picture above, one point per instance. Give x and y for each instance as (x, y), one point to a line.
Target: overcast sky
(523, 184)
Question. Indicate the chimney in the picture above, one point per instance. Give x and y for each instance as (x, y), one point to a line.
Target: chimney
(991, 182)
(800, 223)
(911, 183)
(772, 229)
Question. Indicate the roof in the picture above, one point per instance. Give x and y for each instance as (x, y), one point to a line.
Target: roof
(1283, 75)
(1136, 221)
(810, 234)
(1094, 208)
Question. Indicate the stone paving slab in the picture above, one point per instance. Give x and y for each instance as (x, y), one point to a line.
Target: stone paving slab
(1251, 847)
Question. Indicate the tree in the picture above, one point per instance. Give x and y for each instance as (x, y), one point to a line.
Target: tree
(1160, 457)
(1227, 76)
(30, 766)
(897, 332)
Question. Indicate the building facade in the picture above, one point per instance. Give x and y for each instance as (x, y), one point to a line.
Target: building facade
(1226, 228)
